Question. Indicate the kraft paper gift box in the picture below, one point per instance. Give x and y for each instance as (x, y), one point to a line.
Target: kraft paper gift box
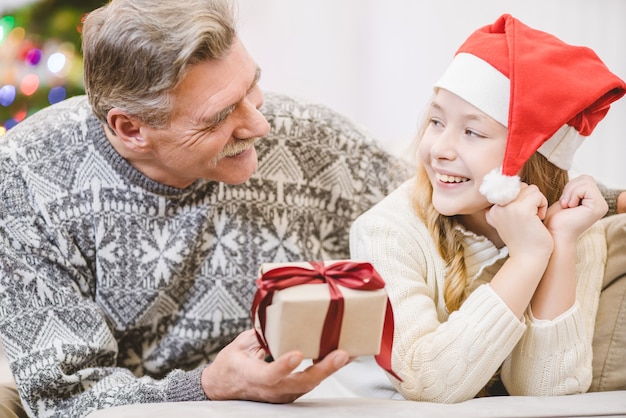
(297, 299)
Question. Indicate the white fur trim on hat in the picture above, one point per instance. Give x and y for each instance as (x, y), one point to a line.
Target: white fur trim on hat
(562, 146)
(498, 188)
(480, 84)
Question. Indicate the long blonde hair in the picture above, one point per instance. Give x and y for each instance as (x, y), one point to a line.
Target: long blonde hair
(538, 171)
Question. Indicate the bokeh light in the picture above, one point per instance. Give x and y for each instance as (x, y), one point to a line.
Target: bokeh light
(40, 58)
(57, 94)
(56, 62)
(20, 115)
(17, 35)
(10, 123)
(34, 56)
(6, 24)
(7, 95)
(29, 84)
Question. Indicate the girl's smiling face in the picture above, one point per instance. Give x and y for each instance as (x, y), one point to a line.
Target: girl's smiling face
(460, 145)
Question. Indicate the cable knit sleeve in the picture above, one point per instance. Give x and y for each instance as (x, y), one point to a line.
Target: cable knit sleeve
(554, 357)
(439, 358)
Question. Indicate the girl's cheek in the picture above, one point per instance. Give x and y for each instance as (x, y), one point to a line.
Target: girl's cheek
(423, 151)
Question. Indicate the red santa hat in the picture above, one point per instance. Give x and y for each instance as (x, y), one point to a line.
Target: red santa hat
(550, 95)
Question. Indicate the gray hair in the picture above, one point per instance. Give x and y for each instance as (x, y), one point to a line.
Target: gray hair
(136, 51)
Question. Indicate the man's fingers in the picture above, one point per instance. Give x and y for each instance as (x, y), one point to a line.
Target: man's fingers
(281, 367)
(280, 371)
(327, 366)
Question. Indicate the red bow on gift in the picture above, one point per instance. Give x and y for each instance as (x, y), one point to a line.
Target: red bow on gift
(353, 275)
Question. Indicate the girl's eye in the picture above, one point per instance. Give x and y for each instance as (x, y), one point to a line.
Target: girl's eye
(436, 122)
(474, 134)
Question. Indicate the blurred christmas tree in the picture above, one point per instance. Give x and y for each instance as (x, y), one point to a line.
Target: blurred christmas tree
(40, 61)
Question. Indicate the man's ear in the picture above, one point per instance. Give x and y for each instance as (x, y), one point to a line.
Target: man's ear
(128, 129)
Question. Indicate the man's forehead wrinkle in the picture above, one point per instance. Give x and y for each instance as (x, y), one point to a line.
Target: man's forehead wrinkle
(204, 120)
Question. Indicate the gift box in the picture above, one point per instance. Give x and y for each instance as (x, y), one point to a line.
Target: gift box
(316, 307)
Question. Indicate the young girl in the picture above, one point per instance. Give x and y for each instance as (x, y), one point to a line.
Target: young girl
(493, 258)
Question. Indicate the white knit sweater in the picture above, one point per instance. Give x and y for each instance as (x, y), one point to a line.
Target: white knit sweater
(449, 358)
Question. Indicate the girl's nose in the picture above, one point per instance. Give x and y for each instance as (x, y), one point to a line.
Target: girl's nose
(443, 146)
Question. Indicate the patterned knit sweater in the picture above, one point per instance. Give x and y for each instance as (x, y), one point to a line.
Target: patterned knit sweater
(115, 289)
(448, 358)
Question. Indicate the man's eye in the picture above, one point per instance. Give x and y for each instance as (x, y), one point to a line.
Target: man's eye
(211, 128)
(215, 125)
(220, 118)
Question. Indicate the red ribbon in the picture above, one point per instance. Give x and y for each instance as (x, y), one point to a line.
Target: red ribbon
(353, 275)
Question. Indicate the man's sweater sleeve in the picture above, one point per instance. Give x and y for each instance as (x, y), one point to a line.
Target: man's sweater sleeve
(61, 349)
(610, 195)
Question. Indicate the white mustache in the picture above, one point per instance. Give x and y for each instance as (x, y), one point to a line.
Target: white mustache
(235, 148)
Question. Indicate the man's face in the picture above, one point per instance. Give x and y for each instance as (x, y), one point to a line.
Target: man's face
(213, 126)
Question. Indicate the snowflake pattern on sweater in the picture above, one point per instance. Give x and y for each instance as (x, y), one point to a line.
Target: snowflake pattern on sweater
(116, 289)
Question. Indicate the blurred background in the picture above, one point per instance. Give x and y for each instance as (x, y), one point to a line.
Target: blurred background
(40, 60)
(373, 60)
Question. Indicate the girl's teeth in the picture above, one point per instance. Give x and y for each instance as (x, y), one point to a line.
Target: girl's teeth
(450, 179)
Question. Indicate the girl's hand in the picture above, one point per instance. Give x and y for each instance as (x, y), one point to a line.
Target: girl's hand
(580, 206)
(519, 223)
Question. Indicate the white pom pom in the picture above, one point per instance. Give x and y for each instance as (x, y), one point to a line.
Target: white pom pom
(498, 188)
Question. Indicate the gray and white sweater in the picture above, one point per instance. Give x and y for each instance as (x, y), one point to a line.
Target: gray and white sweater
(115, 289)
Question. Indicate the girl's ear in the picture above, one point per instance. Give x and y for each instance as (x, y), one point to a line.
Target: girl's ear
(128, 129)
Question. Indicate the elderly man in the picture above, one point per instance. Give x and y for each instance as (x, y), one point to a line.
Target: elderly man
(132, 227)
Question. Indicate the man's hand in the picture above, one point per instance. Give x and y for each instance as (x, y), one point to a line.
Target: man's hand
(240, 372)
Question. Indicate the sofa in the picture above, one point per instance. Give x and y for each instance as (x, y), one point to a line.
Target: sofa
(344, 171)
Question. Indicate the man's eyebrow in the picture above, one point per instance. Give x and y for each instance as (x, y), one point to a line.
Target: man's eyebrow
(220, 116)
